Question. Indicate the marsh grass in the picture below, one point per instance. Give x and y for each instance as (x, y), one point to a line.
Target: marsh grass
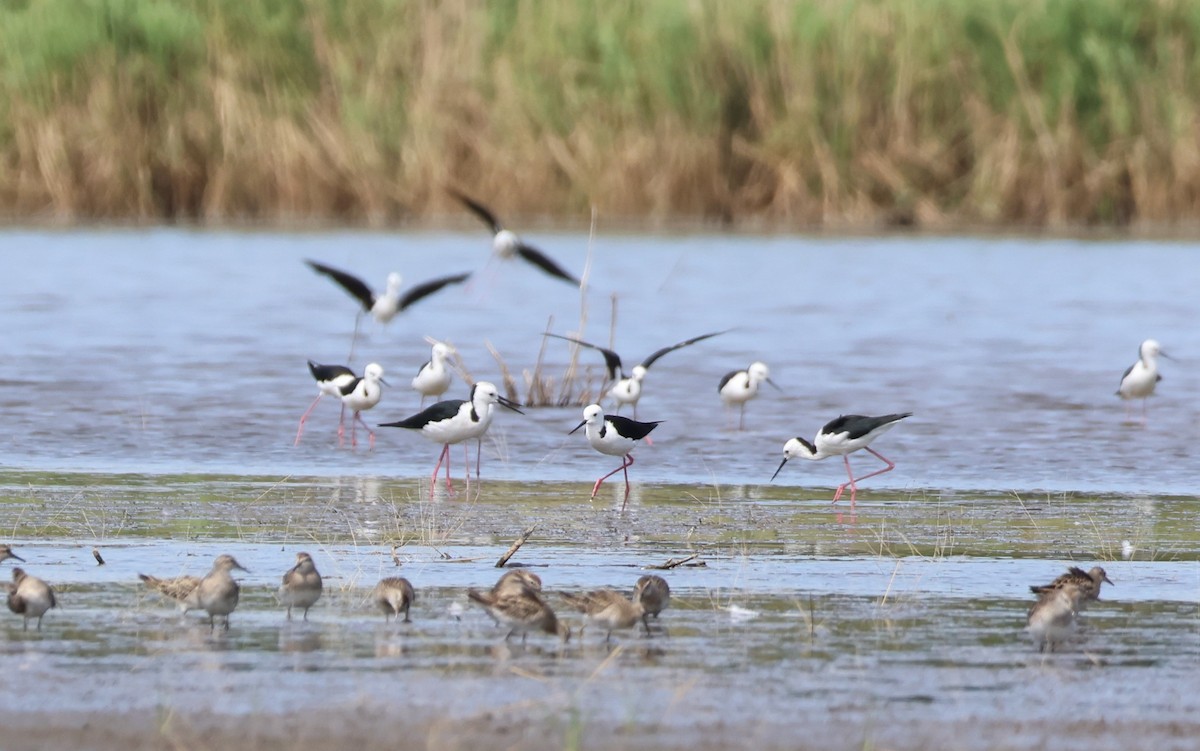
(927, 112)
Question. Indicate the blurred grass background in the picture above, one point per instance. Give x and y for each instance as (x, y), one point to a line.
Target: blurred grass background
(818, 114)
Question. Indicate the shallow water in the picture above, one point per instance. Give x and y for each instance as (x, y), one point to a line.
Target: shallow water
(154, 380)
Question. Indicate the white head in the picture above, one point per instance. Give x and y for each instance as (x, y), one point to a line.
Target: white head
(505, 243)
(638, 373)
(797, 448)
(758, 372)
(441, 352)
(394, 281)
(374, 373)
(485, 394)
(1149, 350)
(593, 414)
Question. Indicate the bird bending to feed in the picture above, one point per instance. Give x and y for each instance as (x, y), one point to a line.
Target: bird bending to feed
(842, 437)
(1052, 618)
(301, 586)
(1140, 379)
(511, 582)
(740, 386)
(627, 389)
(508, 244)
(616, 436)
(433, 378)
(30, 597)
(361, 395)
(654, 594)
(394, 596)
(606, 609)
(216, 593)
(1088, 582)
(331, 380)
(457, 420)
(520, 608)
(6, 552)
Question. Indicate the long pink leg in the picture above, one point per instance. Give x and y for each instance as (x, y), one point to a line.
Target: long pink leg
(444, 455)
(311, 407)
(449, 484)
(621, 468)
(853, 489)
(742, 417)
(478, 456)
(371, 433)
(625, 468)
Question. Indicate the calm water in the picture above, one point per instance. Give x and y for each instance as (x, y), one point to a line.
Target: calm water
(153, 381)
(171, 351)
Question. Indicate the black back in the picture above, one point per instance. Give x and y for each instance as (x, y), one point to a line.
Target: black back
(543, 262)
(327, 372)
(727, 378)
(857, 426)
(435, 413)
(630, 428)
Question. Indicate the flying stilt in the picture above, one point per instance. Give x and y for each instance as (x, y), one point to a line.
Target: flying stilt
(508, 244)
(627, 389)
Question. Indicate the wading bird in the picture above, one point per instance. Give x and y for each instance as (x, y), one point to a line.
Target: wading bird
(740, 386)
(842, 437)
(394, 596)
(301, 586)
(615, 436)
(454, 421)
(331, 379)
(1088, 582)
(1140, 379)
(433, 378)
(360, 396)
(30, 597)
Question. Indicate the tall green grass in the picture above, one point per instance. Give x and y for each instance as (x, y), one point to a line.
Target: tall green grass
(818, 113)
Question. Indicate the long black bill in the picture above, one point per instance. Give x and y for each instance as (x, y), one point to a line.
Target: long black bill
(577, 427)
(776, 385)
(509, 404)
(780, 469)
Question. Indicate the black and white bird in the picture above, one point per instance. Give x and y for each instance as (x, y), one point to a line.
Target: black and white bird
(627, 388)
(507, 244)
(331, 380)
(362, 395)
(433, 379)
(740, 386)
(1142, 377)
(383, 308)
(457, 420)
(842, 437)
(616, 436)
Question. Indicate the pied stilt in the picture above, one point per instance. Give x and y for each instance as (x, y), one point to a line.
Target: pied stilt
(1139, 379)
(433, 379)
(842, 437)
(627, 389)
(508, 244)
(454, 421)
(740, 386)
(362, 395)
(616, 436)
(383, 308)
(331, 379)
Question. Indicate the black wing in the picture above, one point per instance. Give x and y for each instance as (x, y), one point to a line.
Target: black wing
(351, 283)
(611, 359)
(436, 413)
(650, 360)
(857, 426)
(478, 209)
(348, 389)
(631, 428)
(727, 378)
(328, 372)
(425, 289)
(543, 262)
